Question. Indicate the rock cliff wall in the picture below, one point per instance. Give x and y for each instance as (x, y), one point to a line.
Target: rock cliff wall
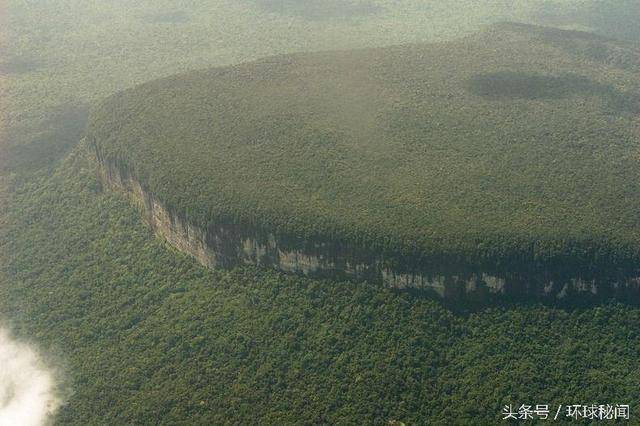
(228, 245)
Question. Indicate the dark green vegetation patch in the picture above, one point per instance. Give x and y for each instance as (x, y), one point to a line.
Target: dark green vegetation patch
(504, 145)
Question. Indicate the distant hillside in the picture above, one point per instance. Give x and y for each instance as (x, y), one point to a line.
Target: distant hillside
(516, 146)
(615, 18)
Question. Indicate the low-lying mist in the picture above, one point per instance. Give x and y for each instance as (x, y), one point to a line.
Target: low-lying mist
(27, 386)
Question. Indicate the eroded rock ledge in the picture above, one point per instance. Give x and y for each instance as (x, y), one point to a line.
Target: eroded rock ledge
(228, 245)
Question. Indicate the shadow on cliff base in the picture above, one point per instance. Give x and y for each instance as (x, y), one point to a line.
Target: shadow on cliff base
(461, 302)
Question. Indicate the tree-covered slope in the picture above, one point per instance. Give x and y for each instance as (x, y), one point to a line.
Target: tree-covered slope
(143, 335)
(518, 143)
(140, 334)
(59, 57)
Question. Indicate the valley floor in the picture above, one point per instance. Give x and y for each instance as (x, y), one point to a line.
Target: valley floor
(144, 334)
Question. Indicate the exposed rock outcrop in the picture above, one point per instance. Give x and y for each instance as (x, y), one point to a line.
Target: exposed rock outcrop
(228, 245)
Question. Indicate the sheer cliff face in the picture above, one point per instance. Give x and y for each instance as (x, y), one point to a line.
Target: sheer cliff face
(228, 245)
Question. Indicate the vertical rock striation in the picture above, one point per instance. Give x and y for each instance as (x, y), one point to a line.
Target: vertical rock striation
(228, 245)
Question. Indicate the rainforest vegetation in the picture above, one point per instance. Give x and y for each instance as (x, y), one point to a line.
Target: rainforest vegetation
(149, 336)
(137, 333)
(515, 143)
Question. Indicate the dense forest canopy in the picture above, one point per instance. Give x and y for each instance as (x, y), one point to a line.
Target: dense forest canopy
(150, 336)
(517, 142)
(136, 333)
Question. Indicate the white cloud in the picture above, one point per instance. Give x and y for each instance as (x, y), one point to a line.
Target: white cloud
(27, 387)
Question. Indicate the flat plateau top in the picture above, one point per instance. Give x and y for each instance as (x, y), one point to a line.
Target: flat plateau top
(517, 142)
